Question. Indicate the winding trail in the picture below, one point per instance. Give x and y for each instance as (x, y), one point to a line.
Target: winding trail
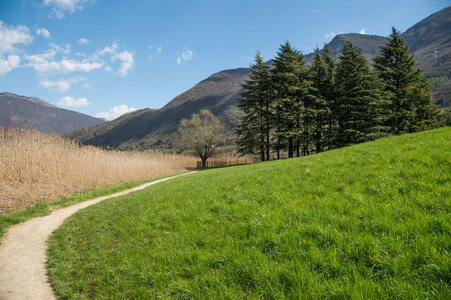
(23, 257)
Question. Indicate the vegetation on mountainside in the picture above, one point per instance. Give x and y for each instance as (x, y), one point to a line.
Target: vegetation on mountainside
(368, 221)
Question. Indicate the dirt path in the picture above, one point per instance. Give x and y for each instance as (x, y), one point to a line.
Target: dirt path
(23, 251)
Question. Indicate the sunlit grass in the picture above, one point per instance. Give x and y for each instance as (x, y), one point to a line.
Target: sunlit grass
(369, 221)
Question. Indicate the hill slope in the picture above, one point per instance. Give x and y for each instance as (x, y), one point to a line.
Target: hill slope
(430, 40)
(24, 112)
(369, 221)
(219, 92)
(147, 129)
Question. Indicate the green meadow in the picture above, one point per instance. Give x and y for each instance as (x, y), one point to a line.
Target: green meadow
(371, 221)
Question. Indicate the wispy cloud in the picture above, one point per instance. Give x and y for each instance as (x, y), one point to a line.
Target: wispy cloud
(71, 102)
(157, 51)
(83, 41)
(43, 32)
(127, 62)
(44, 63)
(61, 7)
(62, 85)
(126, 58)
(115, 112)
(362, 31)
(332, 34)
(47, 62)
(108, 50)
(185, 55)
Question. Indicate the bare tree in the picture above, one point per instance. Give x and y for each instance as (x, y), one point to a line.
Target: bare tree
(204, 132)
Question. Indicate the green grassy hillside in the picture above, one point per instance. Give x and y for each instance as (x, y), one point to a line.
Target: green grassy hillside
(369, 221)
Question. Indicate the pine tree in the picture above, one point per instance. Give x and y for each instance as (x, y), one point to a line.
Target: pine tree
(359, 107)
(255, 127)
(412, 108)
(323, 76)
(290, 86)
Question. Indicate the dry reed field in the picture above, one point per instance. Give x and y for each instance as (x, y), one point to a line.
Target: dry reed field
(35, 167)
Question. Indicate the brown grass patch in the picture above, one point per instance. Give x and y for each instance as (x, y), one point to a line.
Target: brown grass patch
(36, 167)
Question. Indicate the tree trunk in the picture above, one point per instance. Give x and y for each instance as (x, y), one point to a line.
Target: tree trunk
(290, 147)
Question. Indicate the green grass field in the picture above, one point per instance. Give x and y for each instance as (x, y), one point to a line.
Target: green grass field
(368, 221)
(44, 208)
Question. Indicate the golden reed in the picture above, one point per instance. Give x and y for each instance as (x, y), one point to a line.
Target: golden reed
(36, 167)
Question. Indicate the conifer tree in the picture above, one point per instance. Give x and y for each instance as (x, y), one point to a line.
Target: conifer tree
(359, 107)
(412, 108)
(323, 76)
(255, 127)
(290, 86)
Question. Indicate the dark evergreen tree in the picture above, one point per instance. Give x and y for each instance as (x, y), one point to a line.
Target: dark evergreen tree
(256, 103)
(412, 108)
(359, 107)
(323, 76)
(290, 87)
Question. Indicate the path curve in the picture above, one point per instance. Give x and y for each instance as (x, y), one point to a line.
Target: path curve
(23, 274)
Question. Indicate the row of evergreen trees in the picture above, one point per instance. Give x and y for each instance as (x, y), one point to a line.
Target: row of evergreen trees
(300, 109)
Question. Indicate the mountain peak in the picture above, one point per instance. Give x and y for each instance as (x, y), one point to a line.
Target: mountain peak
(31, 99)
(33, 113)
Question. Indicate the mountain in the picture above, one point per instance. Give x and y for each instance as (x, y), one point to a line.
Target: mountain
(370, 44)
(150, 129)
(147, 129)
(28, 112)
(430, 41)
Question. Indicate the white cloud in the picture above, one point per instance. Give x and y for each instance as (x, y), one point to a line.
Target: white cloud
(44, 63)
(108, 50)
(127, 62)
(115, 112)
(185, 56)
(71, 102)
(43, 32)
(62, 85)
(362, 31)
(158, 50)
(82, 66)
(125, 57)
(332, 34)
(83, 41)
(9, 64)
(65, 49)
(61, 7)
(87, 86)
(9, 36)
(315, 10)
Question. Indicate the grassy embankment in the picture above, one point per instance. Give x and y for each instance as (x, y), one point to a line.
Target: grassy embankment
(369, 221)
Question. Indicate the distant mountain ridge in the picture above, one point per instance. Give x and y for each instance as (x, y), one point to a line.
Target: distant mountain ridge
(29, 112)
(220, 92)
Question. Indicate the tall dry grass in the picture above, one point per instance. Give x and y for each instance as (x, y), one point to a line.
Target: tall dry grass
(37, 167)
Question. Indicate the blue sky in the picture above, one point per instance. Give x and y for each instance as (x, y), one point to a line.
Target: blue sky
(107, 57)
